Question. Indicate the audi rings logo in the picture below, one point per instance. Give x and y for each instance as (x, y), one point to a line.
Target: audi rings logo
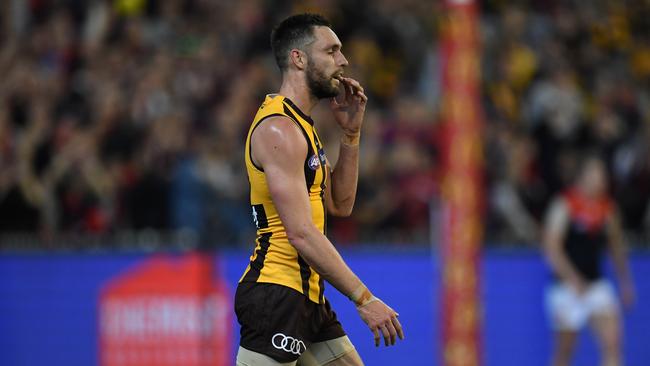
(288, 344)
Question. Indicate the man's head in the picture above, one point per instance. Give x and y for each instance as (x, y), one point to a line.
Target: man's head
(592, 175)
(305, 43)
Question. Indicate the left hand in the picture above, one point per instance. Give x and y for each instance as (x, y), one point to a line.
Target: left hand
(382, 320)
(349, 112)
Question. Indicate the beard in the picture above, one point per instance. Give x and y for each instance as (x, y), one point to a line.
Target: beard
(320, 85)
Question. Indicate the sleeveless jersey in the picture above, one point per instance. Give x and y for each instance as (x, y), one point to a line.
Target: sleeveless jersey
(274, 259)
(587, 236)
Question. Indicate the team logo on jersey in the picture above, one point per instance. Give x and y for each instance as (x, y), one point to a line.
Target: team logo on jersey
(314, 162)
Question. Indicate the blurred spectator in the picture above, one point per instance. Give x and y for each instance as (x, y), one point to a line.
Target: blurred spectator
(581, 223)
(562, 78)
(123, 116)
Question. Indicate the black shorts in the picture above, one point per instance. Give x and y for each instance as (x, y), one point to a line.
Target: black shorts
(280, 322)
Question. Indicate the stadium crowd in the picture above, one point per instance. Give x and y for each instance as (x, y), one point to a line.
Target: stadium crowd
(129, 115)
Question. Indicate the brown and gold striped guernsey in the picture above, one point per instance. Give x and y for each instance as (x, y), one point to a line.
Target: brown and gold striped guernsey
(274, 259)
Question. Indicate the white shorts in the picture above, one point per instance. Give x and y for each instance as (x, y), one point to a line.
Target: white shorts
(570, 311)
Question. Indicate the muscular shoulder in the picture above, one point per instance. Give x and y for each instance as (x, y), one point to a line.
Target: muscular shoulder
(278, 140)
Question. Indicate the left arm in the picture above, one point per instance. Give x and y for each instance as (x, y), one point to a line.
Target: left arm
(617, 250)
(341, 191)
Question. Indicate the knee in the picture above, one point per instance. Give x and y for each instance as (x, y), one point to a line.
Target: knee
(564, 349)
(612, 347)
(611, 341)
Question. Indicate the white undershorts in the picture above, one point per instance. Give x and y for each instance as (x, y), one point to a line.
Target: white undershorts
(570, 311)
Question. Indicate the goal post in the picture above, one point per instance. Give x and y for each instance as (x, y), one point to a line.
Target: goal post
(462, 186)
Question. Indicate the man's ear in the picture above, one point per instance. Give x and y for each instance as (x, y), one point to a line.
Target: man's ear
(298, 58)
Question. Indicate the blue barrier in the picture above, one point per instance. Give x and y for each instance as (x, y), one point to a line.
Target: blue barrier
(48, 307)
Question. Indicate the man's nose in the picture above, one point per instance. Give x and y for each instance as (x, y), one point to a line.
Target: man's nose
(342, 60)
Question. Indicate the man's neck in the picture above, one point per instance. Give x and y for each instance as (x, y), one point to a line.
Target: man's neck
(298, 92)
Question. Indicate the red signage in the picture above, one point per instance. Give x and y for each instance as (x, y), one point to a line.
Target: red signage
(168, 310)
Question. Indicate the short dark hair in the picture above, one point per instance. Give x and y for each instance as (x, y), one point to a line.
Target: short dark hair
(294, 32)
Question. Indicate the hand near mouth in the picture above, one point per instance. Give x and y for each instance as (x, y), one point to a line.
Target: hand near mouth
(349, 111)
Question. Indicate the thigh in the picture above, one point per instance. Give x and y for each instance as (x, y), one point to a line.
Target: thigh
(273, 320)
(338, 351)
(604, 313)
(351, 358)
(247, 357)
(607, 328)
